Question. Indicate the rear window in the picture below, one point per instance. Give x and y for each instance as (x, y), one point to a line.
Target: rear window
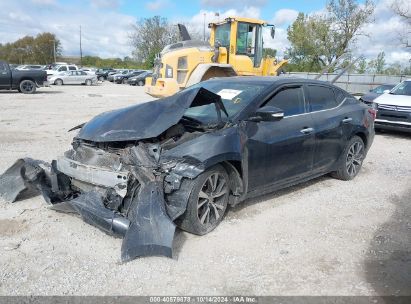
(321, 98)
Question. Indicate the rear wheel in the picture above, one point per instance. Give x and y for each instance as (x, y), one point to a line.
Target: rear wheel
(140, 83)
(27, 87)
(207, 202)
(88, 82)
(351, 161)
(101, 78)
(58, 82)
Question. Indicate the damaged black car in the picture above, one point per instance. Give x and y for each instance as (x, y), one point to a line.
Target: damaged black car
(139, 172)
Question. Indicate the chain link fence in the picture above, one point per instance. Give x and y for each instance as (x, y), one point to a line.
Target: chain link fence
(353, 83)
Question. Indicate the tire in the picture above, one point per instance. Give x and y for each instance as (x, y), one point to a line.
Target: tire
(27, 87)
(124, 81)
(58, 82)
(101, 78)
(206, 208)
(88, 82)
(351, 160)
(140, 83)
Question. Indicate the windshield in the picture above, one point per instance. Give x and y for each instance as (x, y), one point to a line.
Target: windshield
(235, 96)
(404, 88)
(380, 89)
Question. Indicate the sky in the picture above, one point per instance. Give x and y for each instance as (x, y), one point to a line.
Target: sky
(106, 24)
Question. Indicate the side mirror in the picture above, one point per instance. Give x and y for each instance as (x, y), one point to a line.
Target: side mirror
(386, 91)
(267, 113)
(272, 32)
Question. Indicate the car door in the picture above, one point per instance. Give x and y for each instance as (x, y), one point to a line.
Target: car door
(5, 75)
(331, 120)
(280, 152)
(71, 77)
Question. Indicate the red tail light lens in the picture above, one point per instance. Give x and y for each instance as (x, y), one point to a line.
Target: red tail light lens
(373, 113)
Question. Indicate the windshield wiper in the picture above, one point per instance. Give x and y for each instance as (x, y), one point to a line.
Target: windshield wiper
(191, 119)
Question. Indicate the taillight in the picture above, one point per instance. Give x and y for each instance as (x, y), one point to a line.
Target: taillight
(373, 113)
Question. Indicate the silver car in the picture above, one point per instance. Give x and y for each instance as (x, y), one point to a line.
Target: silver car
(73, 77)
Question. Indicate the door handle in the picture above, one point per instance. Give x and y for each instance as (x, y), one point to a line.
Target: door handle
(307, 130)
(347, 120)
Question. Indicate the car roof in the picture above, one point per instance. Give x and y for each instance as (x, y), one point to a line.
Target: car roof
(274, 80)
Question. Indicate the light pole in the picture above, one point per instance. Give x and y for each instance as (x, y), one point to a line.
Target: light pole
(204, 26)
(81, 51)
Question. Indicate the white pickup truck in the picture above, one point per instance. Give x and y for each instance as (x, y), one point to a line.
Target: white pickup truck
(62, 68)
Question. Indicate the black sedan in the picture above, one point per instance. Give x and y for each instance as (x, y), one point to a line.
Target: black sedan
(123, 78)
(139, 80)
(138, 172)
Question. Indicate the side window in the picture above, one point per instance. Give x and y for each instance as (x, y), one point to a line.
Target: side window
(339, 95)
(82, 73)
(3, 67)
(321, 98)
(71, 68)
(290, 100)
(222, 34)
(63, 68)
(246, 34)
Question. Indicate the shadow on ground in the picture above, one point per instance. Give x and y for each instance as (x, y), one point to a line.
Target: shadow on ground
(388, 259)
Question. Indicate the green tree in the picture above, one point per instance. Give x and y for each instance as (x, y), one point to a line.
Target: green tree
(361, 66)
(321, 40)
(37, 50)
(150, 36)
(269, 52)
(378, 64)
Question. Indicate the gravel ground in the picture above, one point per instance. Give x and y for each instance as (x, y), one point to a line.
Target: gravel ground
(324, 237)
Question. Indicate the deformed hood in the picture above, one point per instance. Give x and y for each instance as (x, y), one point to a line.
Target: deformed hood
(145, 120)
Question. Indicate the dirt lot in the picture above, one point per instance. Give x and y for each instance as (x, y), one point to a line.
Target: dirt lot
(325, 237)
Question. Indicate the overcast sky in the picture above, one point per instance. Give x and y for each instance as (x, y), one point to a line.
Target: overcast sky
(106, 24)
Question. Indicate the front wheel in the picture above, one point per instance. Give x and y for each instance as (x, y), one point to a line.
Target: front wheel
(88, 82)
(124, 81)
(58, 82)
(27, 87)
(351, 160)
(140, 83)
(207, 202)
(101, 78)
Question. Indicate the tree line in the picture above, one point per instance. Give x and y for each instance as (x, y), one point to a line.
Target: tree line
(35, 50)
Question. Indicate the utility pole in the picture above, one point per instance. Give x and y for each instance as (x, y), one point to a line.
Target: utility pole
(81, 51)
(204, 26)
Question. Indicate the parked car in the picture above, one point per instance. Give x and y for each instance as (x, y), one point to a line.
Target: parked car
(139, 80)
(374, 93)
(73, 77)
(25, 81)
(62, 68)
(90, 71)
(111, 76)
(394, 108)
(122, 78)
(102, 74)
(139, 171)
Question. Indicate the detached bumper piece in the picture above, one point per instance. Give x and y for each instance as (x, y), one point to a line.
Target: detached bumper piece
(147, 230)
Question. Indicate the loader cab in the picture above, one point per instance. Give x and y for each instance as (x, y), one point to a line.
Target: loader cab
(243, 40)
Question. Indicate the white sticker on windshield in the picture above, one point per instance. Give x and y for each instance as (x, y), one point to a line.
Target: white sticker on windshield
(228, 93)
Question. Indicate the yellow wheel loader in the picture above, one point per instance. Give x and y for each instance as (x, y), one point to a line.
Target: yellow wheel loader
(235, 48)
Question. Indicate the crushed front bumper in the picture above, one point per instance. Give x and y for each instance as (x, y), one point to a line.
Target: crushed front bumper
(146, 229)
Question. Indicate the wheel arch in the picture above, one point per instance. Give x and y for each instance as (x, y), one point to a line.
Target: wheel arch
(363, 136)
(209, 70)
